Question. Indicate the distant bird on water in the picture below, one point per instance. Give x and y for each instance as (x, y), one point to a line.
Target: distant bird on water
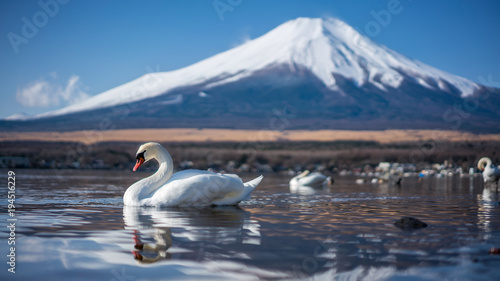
(311, 179)
(491, 173)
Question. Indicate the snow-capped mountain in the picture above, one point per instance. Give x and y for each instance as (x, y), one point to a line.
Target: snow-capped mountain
(323, 68)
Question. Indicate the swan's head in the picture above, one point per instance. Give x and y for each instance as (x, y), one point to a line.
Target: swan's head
(330, 180)
(146, 152)
(483, 162)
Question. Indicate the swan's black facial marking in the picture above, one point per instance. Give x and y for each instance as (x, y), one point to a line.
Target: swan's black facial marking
(141, 155)
(140, 160)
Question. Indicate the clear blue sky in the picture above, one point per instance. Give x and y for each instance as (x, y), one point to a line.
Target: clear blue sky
(83, 48)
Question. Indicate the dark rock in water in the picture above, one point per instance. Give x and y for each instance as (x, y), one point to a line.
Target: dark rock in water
(409, 223)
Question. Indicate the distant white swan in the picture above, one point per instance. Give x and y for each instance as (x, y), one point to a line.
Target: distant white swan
(491, 173)
(185, 188)
(311, 179)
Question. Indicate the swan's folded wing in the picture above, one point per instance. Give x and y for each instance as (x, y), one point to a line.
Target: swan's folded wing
(232, 176)
(313, 179)
(245, 194)
(196, 188)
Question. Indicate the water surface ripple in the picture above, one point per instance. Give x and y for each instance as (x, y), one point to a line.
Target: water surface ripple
(76, 228)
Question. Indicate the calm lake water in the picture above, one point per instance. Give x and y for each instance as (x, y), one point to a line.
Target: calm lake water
(76, 228)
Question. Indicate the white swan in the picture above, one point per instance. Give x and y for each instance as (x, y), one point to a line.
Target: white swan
(185, 188)
(491, 173)
(311, 179)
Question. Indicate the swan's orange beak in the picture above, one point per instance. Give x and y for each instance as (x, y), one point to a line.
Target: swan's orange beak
(139, 162)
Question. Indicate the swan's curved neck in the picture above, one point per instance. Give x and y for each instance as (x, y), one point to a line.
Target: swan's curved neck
(146, 187)
(485, 162)
(165, 170)
(166, 165)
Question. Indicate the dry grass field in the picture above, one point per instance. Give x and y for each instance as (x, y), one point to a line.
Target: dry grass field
(216, 148)
(223, 135)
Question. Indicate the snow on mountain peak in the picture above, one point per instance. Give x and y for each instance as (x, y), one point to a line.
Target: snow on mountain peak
(324, 46)
(17, 117)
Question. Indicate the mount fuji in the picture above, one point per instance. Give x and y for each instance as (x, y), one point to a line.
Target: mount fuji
(318, 73)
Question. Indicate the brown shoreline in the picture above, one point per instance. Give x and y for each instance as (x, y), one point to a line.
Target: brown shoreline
(227, 135)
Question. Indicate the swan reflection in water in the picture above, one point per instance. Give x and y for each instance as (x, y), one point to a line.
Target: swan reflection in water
(152, 253)
(188, 231)
(307, 190)
(488, 204)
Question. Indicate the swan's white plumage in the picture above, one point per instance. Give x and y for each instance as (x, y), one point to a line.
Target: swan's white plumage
(185, 188)
(491, 173)
(310, 179)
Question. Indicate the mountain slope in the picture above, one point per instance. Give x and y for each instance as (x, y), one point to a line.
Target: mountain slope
(323, 70)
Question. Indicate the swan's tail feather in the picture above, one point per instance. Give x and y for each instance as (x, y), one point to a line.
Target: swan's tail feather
(250, 186)
(253, 183)
(245, 195)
